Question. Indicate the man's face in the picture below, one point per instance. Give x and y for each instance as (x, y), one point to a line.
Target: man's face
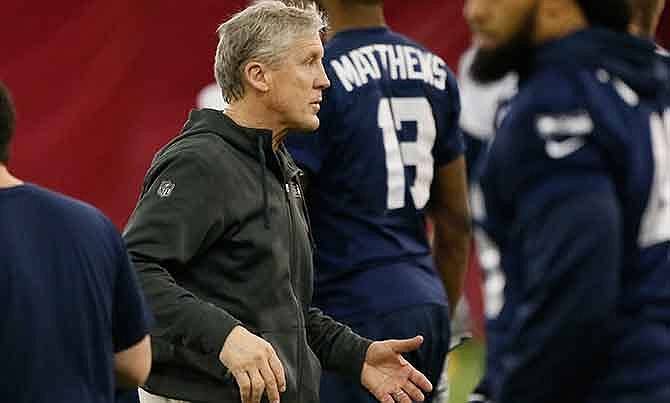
(503, 33)
(297, 84)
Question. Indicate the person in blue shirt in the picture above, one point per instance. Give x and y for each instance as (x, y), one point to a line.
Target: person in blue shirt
(73, 322)
(388, 155)
(577, 195)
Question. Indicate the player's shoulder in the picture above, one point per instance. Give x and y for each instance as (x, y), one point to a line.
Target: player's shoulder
(57, 200)
(344, 41)
(551, 89)
(549, 118)
(436, 62)
(556, 100)
(356, 54)
(60, 208)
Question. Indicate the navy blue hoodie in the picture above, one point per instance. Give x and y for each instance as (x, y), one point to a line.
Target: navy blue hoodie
(577, 191)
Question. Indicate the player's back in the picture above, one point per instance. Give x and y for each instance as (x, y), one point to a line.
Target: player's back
(388, 119)
(57, 272)
(599, 126)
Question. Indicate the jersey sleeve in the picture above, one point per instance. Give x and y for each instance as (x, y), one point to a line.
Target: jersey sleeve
(450, 143)
(131, 317)
(567, 239)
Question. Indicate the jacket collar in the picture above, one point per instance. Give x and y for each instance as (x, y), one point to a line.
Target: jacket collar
(245, 139)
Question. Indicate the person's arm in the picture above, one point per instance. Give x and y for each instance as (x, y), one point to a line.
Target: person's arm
(378, 366)
(448, 204)
(131, 322)
(562, 252)
(335, 345)
(571, 255)
(452, 229)
(177, 216)
(132, 365)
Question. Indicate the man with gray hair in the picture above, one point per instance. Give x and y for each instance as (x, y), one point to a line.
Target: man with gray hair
(222, 245)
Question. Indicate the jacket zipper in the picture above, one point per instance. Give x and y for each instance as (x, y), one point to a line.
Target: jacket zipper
(301, 324)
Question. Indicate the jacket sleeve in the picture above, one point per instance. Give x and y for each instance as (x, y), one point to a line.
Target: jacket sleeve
(572, 254)
(337, 347)
(177, 217)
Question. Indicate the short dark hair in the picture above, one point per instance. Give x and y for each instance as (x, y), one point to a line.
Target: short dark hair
(610, 14)
(7, 120)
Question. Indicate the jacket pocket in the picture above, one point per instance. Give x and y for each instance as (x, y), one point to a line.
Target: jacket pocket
(285, 344)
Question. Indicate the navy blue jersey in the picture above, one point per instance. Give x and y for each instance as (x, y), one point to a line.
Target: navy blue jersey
(69, 299)
(577, 191)
(388, 120)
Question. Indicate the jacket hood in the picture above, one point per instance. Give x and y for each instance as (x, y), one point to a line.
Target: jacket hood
(214, 121)
(634, 60)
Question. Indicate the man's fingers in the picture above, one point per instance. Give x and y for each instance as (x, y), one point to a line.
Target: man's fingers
(420, 380)
(257, 385)
(278, 370)
(270, 383)
(244, 384)
(387, 398)
(406, 345)
(413, 392)
(401, 397)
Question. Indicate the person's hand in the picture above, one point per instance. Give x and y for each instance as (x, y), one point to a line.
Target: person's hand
(254, 364)
(389, 377)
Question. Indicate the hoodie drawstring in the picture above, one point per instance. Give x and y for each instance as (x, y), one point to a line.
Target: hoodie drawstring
(266, 208)
(305, 212)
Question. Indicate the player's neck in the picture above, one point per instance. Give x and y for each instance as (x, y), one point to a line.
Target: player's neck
(355, 17)
(6, 179)
(254, 116)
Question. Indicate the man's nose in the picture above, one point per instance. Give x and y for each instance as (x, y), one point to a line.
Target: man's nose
(322, 82)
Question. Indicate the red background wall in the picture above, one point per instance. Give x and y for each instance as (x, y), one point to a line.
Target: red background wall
(99, 85)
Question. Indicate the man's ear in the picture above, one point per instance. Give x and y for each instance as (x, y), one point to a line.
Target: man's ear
(258, 76)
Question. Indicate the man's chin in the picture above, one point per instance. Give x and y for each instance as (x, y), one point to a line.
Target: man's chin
(311, 124)
(494, 60)
(490, 65)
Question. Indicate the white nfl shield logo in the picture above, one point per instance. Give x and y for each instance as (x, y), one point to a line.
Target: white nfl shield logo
(165, 189)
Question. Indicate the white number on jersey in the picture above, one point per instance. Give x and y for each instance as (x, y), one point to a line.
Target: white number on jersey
(407, 153)
(655, 226)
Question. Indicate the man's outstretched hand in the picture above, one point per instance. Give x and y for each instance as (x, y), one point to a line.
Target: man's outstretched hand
(389, 377)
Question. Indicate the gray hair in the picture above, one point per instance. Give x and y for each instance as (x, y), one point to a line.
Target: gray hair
(262, 32)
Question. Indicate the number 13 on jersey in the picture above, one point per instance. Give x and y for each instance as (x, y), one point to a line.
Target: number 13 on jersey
(391, 114)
